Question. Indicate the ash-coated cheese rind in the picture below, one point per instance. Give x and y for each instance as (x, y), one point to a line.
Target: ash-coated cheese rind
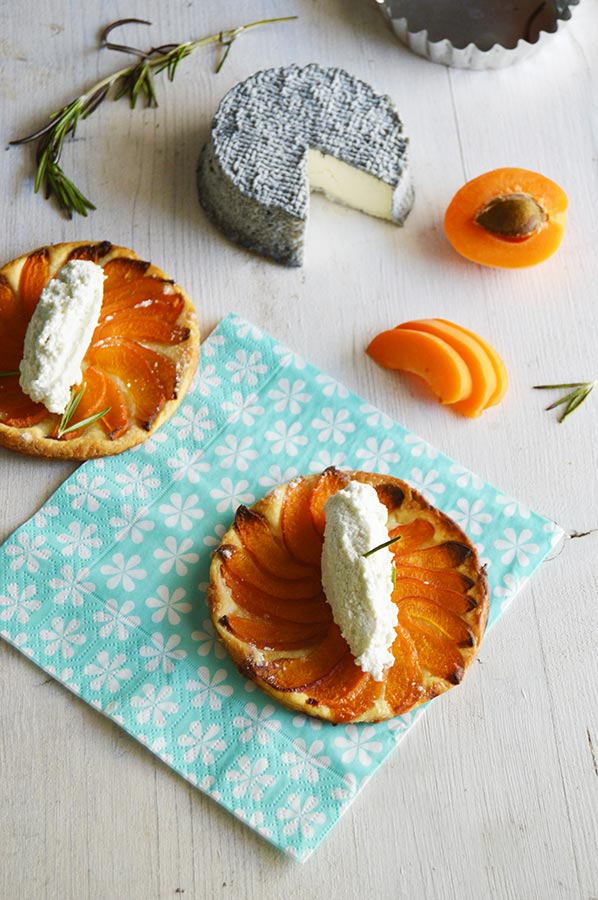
(283, 128)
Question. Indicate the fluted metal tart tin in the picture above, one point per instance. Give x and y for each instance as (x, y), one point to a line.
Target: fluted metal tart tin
(476, 34)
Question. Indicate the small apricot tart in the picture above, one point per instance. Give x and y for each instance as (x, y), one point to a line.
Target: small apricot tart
(268, 606)
(135, 372)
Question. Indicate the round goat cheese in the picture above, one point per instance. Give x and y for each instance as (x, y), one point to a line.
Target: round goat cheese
(60, 332)
(288, 130)
(357, 587)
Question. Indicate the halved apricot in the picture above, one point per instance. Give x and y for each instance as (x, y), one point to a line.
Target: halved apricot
(427, 356)
(508, 218)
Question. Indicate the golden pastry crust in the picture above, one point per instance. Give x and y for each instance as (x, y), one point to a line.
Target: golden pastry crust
(268, 608)
(37, 439)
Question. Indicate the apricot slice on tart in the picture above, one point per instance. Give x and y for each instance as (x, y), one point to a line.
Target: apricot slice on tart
(137, 367)
(278, 626)
(508, 218)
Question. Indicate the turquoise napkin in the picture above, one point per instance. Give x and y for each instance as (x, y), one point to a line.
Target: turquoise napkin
(104, 588)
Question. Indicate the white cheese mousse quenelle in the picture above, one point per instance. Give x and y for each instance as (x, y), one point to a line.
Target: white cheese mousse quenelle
(358, 588)
(60, 332)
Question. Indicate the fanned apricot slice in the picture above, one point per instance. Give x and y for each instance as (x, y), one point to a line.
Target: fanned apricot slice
(117, 420)
(33, 278)
(481, 369)
(431, 612)
(257, 538)
(411, 536)
(508, 218)
(278, 627)
(448, 579)
(496, 361)
(330, 481)
(437, 654)
(427, 356)
(138, 366)
(17, 410)
(242, 566)
(119, 271)
(404, 680)
(292, 673)
(117, 357)
(93, 400)
(346, 691)
(442, 556)
(265, 606)
(299, 533)
(454, 601)
(143, 325)
(273, 634)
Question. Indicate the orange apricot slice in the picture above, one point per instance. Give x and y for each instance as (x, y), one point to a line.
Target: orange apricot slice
(264, 606)
(411, 536)
(426, 356)
(258, 540)
(500, 370)
(242, 566)
(330, 481)
(273, 634)
(507, 218)
(403, 683)
(483, 373)
(297, 525)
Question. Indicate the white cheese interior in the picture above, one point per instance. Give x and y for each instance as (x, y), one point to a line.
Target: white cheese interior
(352, 187)
(357, 587)
(60, 332)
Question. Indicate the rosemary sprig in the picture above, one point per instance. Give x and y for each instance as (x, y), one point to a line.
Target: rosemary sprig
(7, 374)
(580, 391)
(65, 426)
(381, 546)
(134, 81)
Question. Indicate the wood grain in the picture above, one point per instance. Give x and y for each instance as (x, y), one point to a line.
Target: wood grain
(495, 792)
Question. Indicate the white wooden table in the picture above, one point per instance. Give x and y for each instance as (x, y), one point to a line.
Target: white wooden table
(495, 793)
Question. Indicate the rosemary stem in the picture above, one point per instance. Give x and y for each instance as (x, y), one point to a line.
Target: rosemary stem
(135, 80)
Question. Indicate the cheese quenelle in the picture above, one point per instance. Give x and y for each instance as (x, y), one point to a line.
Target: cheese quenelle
(59, 333)
(358, 583)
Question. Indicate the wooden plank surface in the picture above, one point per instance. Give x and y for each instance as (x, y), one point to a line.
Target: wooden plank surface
(495, 792)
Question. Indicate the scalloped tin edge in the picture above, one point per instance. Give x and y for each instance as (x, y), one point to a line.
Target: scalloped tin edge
(445, 53)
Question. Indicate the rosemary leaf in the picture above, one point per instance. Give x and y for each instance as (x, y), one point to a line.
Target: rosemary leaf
(66, 425)
(575, 402)
(381, 546)
(71, 408)
(85, 422)
(581, 390)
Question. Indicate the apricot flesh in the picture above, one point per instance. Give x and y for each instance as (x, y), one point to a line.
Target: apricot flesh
(478, 362)
(427, 356)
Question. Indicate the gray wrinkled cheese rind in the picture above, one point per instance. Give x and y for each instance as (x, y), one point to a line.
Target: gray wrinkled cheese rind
(252, 174)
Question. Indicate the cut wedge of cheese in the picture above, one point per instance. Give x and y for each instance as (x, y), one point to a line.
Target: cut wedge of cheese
(287, 131)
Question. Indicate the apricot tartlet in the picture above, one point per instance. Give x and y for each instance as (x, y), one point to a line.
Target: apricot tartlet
(135, 372)
(268, 607)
